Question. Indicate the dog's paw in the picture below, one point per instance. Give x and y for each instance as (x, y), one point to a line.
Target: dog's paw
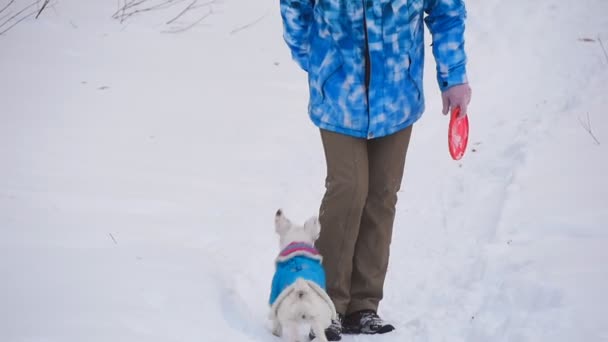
(276, 329)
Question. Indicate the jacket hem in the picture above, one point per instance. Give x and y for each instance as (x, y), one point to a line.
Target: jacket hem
(365, 134)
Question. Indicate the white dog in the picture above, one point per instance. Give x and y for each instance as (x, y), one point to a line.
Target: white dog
(298, 300)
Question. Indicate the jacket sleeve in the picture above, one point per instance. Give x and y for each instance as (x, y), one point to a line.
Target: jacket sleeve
(297, 19)
(446, 22)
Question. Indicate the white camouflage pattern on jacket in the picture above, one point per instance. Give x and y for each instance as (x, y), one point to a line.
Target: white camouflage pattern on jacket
(327, 39)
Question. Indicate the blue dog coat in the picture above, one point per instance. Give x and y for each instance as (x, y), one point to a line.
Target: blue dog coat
(298, 261)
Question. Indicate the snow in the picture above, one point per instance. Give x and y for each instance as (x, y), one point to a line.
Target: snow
(140, 172)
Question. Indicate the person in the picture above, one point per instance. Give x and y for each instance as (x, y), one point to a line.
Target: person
(364, 60)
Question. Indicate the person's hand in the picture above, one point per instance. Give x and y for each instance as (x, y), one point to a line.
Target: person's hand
(456, 96)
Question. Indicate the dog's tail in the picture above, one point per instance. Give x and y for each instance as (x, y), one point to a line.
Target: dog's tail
(303, 292)
(301, 288)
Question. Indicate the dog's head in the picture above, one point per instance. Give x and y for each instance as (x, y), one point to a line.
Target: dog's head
(289, 232)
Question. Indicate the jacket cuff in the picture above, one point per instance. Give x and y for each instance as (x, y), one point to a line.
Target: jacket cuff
(454, 77)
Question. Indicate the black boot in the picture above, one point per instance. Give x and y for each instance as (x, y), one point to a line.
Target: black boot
(366, 322)
(334, 331)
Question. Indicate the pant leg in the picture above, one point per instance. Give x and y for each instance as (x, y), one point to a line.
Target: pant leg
(341, 209)
(386, 157)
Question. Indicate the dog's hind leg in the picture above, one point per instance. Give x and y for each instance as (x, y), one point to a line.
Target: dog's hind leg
(290, 332)
(319, 331)
(276, 328)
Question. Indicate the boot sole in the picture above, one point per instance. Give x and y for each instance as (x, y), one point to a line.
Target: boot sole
(354, 330)
(332, 337)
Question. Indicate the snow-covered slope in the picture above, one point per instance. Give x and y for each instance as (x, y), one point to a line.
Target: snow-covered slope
(140, 171)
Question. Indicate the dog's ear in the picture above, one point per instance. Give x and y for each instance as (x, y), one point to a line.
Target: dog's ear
(313, 227)
(281, 223)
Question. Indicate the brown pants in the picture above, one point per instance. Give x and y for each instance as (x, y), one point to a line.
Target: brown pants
(357, 214)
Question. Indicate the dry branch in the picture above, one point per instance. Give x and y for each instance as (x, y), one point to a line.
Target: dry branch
(17, 17)
(125, 7)
(5, 16)
(603, 48)
(7, 6)
(587, 127)
(129, 8)
(46, 2)
(18, 13)
(246, 26)
(182, 12)
(27, 16)
(186, 28)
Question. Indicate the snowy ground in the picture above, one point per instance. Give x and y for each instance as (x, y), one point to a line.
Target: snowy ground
(140, 171)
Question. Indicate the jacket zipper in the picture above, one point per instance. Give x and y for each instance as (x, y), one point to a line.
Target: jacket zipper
(367, 57)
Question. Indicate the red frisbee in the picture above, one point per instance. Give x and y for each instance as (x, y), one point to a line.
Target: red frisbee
(458, 134)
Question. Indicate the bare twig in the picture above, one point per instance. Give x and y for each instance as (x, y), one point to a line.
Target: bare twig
(27, 16)
(244, 27)
(126, 6)
(18, 13)
(130, 9)
(160, 6)
(113, 239)
(186, 28)
(587, 127)
(17, 19)
(192, 10)
(46, 2)
(205, 4)
(7, 6)
(182, 12)
(133, 3)
(124, 9)
(5, 16)
(603, 48)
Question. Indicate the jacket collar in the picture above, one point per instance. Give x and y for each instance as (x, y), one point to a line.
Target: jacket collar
(299, 249)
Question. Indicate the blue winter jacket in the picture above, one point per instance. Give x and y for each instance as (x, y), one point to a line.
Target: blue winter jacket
(328, 39)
